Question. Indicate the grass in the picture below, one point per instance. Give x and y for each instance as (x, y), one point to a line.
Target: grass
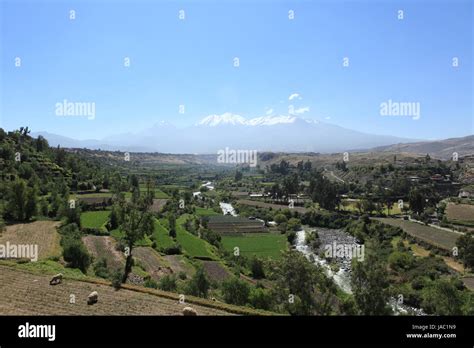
(257, 244)
(94, 219)
(161, 235)
(206, 212)
(191, 244)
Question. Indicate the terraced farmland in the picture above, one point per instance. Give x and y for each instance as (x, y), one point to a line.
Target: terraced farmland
(24, 293)
(234, 225)
(436, 237)
(257, 244)
(192, 245)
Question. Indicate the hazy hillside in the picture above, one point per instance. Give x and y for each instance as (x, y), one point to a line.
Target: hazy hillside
(438, 148)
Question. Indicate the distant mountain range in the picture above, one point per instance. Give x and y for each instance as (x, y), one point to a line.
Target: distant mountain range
(443, 149)
(216, 132)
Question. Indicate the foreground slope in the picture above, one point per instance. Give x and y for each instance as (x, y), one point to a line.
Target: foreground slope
(24, 293)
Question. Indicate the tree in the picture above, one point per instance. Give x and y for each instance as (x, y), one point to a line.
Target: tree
(137, 222)
(465, 244)
(297, 283)
(370, 284)
(199, 284)
(417, 201)
(238, 175)
(256, 266)
(21, 201)
(74, 250)
(235, 291)
(172, 225)
(442, 297)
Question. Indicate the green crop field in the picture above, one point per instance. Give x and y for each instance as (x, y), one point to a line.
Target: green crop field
(205, 212)
(94, 219)
(161, 234)
(191, 244)
(257, 244)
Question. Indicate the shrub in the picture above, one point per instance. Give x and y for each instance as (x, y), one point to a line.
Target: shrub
(199, 284)
(260, 298)
(235, 291)
(168, 283)
(174, 249)
(75, 253)
(256, 266)
(117, 279)
(100, 268)
(150, 283)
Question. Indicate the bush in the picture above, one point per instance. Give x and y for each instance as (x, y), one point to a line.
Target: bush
(260, 298)
(199, 284)
(150, 283)
(167, 283)
(117, 279)
(100, 268)
(256, 266)
(75, 253)
(174, 249)
(182, 275)
(235, 291)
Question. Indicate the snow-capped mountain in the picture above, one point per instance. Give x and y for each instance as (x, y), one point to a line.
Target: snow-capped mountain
(232, 119)
(286, 133)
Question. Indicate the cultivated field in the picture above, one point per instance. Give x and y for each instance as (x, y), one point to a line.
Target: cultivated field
(25, 293)
(42, 233)
(436, 237)
(192, 245)
(256, 244)
(152, 262)
(463, 213)
(105, 247)
(94, 219)
(215, 271)
(252, 203)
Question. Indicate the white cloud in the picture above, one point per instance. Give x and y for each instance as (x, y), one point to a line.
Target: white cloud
(269, 111)
(299, 111)
(294, 96)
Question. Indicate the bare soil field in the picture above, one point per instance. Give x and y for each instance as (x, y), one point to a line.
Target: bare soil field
(153, 263)
(105, 247)
(460, 212)
(215, 271)
(158, 204)
(25, 293)
(179, 264)
(42, 233)
(469, 282)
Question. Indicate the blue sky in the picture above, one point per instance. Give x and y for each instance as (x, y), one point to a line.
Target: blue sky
(190, 62)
